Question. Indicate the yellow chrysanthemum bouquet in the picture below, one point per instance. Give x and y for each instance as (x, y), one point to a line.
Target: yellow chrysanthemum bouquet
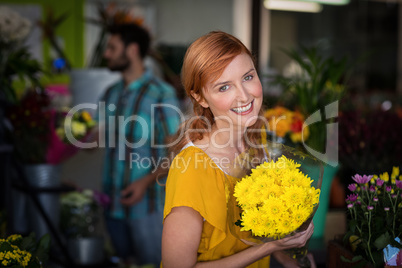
(276, 198)
(273, 192)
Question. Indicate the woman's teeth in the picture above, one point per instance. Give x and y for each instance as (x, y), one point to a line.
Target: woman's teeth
(242, 109)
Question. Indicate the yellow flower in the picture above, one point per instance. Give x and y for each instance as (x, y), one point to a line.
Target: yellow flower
(273, 206)
(86, 116)
(384, 176)
(276, 198)
(286, 226)
(14, 237)
(78, 128)
(395, 172)
(301, 214)
(279, 120)
(294, 195)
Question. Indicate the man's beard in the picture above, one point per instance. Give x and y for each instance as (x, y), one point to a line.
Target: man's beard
(120, 65)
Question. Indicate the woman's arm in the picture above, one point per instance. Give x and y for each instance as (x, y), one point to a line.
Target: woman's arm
(182, 234)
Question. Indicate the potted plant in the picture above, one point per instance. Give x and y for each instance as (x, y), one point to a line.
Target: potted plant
(81, 212)
(40, 144)
(311, 83)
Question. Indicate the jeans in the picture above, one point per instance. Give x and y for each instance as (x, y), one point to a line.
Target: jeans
(138, 238)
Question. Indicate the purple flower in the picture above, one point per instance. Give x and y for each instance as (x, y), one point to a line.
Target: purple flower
(102, 199)
(352, 198)
(379, 182)
(350, 206)
(352, 187)
(398, 184)
(386, 208)
(370, 207)
(362, 179)
(372, 188)
(393, 196)
(375, 199)
(389, 188)
(363, 188)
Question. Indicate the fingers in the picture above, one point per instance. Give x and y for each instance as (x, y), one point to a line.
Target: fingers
(128, 196)
(129, 200)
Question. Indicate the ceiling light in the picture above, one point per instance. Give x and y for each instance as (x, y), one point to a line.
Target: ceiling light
(330, 2)
(288, 5)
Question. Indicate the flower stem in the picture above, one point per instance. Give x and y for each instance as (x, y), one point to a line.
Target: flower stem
(369, 238)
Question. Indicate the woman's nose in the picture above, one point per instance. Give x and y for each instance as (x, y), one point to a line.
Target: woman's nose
(243, 94)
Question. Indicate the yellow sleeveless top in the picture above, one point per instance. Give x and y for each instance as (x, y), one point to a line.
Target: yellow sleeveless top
(195, 181)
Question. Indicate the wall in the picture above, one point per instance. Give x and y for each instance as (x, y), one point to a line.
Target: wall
(180, 22)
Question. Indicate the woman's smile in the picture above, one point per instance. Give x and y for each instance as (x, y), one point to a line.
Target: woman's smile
(243, 110)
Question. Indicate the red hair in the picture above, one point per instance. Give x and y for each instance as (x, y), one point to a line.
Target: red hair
(204, 62)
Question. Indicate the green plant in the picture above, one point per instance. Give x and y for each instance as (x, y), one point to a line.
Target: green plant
(313, 82)
(80, 213)
(17, 251)
(375, 208)
(15, 61)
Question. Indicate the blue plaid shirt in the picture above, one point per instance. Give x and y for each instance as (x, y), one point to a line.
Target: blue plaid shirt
(144, 114)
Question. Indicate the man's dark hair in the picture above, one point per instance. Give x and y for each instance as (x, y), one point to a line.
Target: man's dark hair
(132, 33)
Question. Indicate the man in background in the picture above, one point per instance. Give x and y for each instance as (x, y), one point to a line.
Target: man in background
(141, 111)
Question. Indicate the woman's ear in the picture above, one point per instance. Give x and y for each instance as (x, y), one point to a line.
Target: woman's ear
(200, 100)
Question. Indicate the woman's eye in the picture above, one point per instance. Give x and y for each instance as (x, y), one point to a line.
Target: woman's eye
(224, 88)
(248, 77)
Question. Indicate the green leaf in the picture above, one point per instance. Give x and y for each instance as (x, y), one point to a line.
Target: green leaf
(28, 243)
(382, 241)
(42, 250)
(353, 260)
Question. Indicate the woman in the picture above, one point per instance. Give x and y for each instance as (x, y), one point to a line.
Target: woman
(219, 76)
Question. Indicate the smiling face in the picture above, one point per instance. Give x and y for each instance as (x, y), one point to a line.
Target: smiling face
(235, 98)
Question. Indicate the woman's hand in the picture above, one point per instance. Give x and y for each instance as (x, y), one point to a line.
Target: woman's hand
(297, 240)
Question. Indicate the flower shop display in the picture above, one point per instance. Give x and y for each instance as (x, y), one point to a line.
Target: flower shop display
(41, 150)
(286, 126)
(18, 251)
(15, 61)
(313, 82)
(30, 119)
(39, 129)
(80, 217)
(272, 192)
(81, 212)
(68, 129)
(375, 224)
